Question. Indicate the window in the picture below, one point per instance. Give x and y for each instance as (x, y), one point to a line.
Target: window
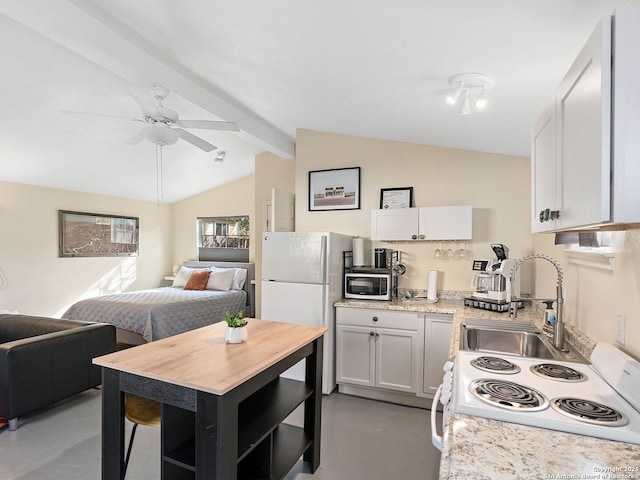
(223, 232)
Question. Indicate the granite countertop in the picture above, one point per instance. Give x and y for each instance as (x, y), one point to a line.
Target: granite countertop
(477, 448)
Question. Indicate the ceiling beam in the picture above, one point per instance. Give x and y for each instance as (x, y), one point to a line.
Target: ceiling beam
(89, 35)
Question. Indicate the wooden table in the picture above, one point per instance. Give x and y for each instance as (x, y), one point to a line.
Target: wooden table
(222, 404)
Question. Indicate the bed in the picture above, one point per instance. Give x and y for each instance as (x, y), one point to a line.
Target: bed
(148, 315)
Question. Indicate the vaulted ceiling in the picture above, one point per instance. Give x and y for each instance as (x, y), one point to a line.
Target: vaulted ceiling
(371, 68)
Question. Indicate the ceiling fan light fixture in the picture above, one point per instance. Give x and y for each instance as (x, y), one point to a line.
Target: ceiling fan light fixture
(160, 134)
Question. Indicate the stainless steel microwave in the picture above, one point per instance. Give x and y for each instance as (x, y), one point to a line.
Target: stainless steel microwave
(367, 286)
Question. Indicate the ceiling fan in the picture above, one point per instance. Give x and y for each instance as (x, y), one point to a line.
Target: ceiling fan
(164, 127)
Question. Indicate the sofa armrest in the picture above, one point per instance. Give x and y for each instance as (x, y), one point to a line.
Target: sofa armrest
(38, 371)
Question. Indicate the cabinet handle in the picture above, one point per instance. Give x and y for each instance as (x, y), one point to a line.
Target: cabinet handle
(554, 214)
(375, 319)
(371, 334)
(377, 335)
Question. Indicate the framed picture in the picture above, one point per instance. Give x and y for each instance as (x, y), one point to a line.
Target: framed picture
(337, 189)
(401, 197)
(96, 235)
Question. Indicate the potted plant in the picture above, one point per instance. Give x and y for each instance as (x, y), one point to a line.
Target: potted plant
(236, 327)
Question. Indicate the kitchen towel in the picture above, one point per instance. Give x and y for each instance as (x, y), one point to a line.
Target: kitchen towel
(432, 284)
(358, 252)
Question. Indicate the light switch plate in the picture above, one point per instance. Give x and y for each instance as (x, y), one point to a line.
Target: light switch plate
(621, 325)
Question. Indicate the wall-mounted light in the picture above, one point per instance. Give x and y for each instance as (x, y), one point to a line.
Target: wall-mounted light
(467, 87)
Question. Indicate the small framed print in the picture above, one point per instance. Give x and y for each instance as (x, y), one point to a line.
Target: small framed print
(401, 197)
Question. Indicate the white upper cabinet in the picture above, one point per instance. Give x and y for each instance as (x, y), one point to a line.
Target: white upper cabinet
(543, 170)
(583, 106)
(445, 223)
(584, 149)
(423, 223)
(394, 224)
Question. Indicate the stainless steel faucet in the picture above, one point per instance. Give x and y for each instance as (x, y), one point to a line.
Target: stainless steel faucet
(558, 327)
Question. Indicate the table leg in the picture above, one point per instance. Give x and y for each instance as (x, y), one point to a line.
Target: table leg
(112, 426)
(313, 405)
(216, 436)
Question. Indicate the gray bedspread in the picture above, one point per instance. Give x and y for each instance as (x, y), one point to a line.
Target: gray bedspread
(159, 312)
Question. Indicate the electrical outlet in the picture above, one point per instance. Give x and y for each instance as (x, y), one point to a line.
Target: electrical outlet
(621, 325)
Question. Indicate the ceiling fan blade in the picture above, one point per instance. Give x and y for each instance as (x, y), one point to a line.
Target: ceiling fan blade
(137, 138)
(193, 140)
(209, 125)
(149, 107)
(90, 115)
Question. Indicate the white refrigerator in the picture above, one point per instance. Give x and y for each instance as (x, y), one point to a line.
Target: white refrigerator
(301, 280)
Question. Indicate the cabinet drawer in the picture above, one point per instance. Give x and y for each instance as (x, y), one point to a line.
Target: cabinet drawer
(377, 318)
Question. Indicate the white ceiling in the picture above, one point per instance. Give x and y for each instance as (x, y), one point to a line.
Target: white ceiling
(372, 68)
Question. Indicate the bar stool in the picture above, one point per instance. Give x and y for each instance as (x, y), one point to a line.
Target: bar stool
(139, 411)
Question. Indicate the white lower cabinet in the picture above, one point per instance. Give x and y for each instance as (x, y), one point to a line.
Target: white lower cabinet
(437, 338)
(378, 348)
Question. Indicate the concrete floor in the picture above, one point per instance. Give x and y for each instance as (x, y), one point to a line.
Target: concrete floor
(361, 439)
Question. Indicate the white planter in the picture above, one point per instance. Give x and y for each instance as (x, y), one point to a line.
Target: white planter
(236, 335)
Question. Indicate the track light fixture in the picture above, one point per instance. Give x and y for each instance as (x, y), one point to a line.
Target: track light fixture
(466, 86)
(220, 157)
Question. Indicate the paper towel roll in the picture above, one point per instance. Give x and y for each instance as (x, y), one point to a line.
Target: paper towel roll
(358, 252)
(432, 284)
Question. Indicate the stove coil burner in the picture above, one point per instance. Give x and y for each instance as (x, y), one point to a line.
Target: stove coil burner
(588, 411)
(558, 372)
(509, 395)
(495, 365)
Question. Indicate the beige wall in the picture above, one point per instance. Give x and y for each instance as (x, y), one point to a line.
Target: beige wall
(234, 198)
(497, 186)
(38, 282)
(593, 296)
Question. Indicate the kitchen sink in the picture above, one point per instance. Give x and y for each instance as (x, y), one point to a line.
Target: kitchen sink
(503, 338)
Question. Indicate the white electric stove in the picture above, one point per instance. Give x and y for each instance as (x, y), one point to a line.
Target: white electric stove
(601, 399)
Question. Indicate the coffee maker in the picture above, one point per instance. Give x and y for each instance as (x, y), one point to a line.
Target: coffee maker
(491, 283)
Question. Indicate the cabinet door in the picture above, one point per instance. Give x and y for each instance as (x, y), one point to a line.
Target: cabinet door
(437, 338)
(543, 169)
(396, 359)
(355, 350)
(445, 223)
(394, 224)
(583, 106)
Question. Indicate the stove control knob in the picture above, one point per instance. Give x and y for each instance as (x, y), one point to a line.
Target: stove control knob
(448, 366)
(445, 397)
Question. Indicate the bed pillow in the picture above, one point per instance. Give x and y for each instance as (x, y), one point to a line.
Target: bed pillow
(182, 277)
(220, 280)
(239, 276)
(198, 280)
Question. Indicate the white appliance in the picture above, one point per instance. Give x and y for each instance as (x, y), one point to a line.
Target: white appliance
(601, 399)
(301, 280)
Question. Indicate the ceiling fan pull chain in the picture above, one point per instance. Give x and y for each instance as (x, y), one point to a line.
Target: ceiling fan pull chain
(159, 176)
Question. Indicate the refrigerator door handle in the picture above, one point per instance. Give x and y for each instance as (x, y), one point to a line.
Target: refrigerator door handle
(323, 259)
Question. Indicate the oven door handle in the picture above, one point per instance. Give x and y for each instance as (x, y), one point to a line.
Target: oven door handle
(435, 438)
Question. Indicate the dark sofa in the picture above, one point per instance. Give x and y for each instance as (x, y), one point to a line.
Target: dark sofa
(44, 360)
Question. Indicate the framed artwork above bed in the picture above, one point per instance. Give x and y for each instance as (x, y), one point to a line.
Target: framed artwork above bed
(83, 234)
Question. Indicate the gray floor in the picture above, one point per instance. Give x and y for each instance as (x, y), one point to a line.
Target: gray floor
(361, 439)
